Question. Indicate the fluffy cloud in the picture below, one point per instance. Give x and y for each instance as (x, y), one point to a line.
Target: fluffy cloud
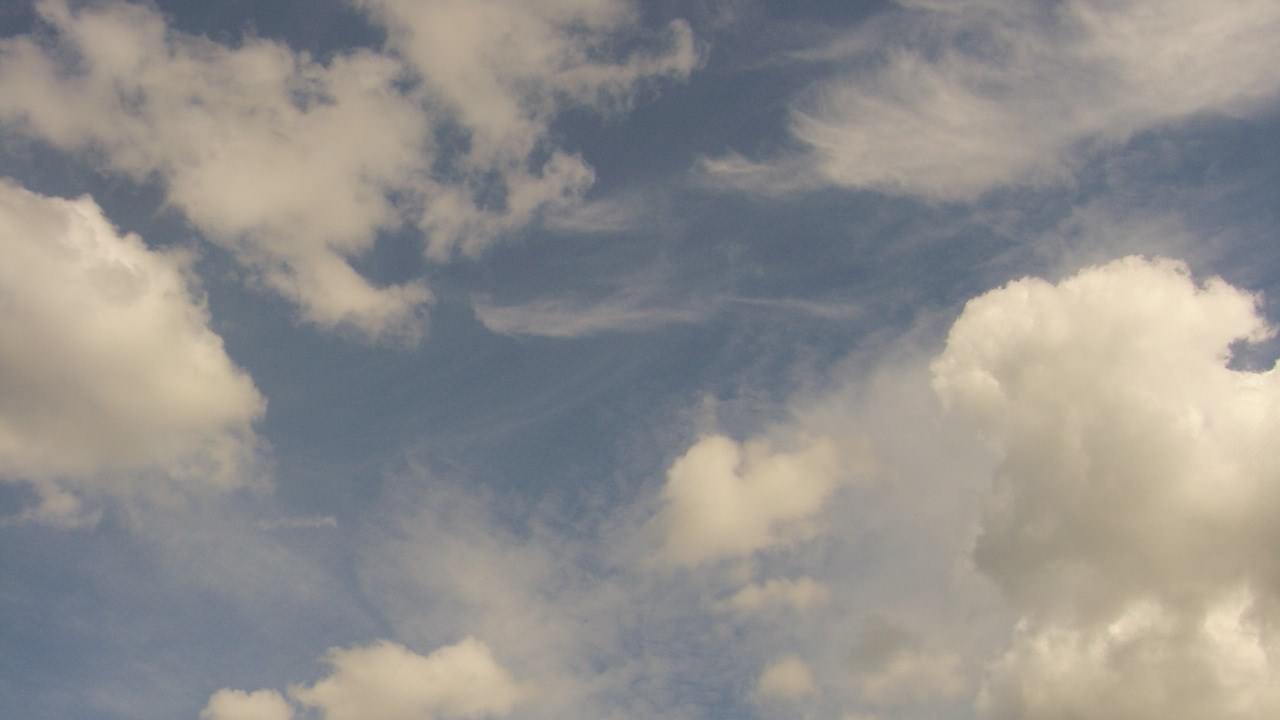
(1149, 662)
(728, 499)
(293, 164)
(787, 678)
(950, 99)
(237, 705)
(110, 379)
(387, 681)
(1132, 518)
(283, 160)
(503, 69)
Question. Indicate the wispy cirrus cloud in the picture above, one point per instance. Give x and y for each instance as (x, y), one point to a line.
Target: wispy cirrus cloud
(947, 101)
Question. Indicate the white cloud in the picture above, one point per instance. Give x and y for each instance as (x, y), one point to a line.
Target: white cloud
(111, 380)
(947, 100)
(1131, 519)
(283, 160)
(237, 705)
(387, 681)
(293, 164)
(727, 499)
(800, 594)
(503, 69)
(787, 678)
(1147, 664)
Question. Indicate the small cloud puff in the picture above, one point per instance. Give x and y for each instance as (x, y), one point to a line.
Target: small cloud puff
(725, 499)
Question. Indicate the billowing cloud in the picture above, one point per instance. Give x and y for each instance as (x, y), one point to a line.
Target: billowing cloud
(111, 380)
(1132, 517)
(296, 165)
(947, 100)
(387, 681)
(728, 499)
(1148, 662)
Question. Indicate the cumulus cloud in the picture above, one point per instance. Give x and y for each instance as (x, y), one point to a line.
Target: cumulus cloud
(254, 142)
(1131, 521)
(237, 705)
(787, 678)
(947, 100)
(1148, 662)
(387, 681)
(111, 380)
(727, 499)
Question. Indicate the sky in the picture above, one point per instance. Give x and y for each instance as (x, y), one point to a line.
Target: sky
(639, 359)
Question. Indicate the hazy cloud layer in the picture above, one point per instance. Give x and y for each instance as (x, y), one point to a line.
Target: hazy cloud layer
(111, 380)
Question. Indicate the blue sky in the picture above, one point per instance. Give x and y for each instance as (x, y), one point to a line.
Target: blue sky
(596, 359)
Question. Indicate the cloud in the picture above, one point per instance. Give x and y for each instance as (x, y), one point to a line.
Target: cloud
(892, 667)
(237, 705)
(503, 70)
(787, 678)
(636, 309)
(387, 681)
(800, 594)
(254, 142)
(947, 100)
(111, 380)
(569, 319)
(727, 499)
(1146, 663)
(1131, 521)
